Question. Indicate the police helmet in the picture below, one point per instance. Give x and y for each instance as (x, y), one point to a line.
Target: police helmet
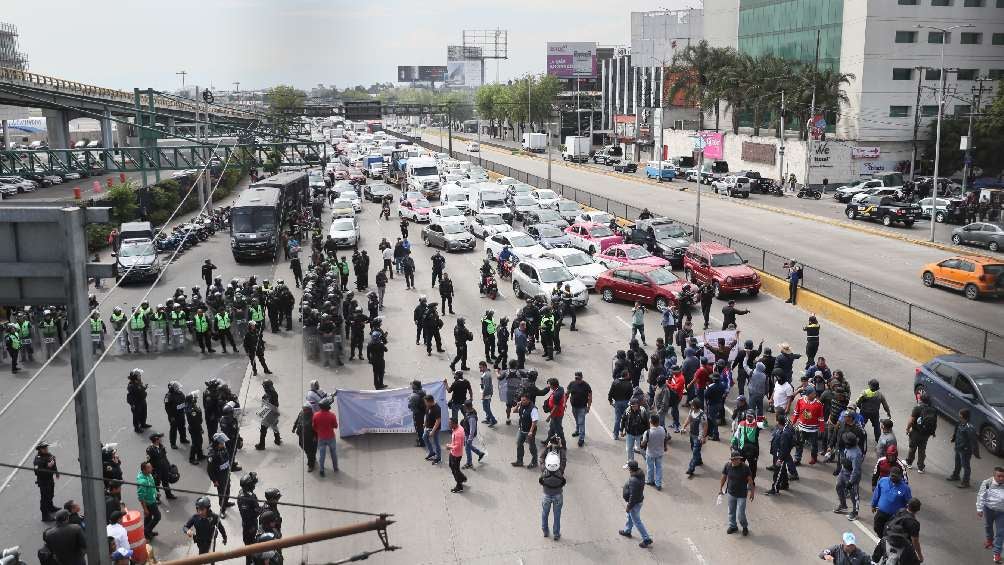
(228, 408)
(117, 310)
(249, 480)
(326, 402)
(136, 373)
(203, 502)
(273, 494)
(220, 437)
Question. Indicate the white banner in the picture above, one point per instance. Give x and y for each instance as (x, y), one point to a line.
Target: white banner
(865, 152)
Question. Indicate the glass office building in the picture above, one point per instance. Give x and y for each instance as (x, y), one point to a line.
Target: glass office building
(787, 28)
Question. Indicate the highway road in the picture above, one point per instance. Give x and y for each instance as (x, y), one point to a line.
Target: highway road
(890, 266)
(497, 519)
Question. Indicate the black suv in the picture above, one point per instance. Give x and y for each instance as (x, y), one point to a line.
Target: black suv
(885, 209)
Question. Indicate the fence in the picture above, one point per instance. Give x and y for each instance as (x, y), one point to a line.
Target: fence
(939, 328)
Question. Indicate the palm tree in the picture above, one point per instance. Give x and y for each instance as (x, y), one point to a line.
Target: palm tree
(828, 87)
(690, 76)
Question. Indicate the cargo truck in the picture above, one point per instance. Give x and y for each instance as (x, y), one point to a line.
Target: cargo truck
(577, 148)
(535, 142)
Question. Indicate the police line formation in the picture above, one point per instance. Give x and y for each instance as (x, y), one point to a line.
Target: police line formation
(680, 387)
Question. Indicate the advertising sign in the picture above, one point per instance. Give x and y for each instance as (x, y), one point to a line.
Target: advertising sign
(435, 73)
(817, 126)
(759, 152)
(407, 74)
(713, 143)
(463, 66)
(571, 60)
(383, 411)
(865, 152)
(871, 168)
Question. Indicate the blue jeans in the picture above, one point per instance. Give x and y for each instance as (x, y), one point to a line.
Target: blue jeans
(328, 444)
(546, 503)
(695, 453)
(580, 423)
(634, 521)
(632, 441)
(523, 438)
(654, 464)
(962, 460)
(469, 448)
(431, 438)
(994, 523)
(486, 407)
(620, 406)
(737, 507)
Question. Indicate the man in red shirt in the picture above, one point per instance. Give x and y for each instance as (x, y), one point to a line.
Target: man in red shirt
(701, 378)
(884, 466)
(808, 418)
(325, 423)
(456, 452)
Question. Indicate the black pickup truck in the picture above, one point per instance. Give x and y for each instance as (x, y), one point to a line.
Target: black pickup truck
(884, 209)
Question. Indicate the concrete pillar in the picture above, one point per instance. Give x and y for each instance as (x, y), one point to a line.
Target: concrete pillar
(106, 136)
(171, 125)
(610, 97)
(617, 92)
(5, 129)
(625, 99)
(603, 92)
(57, 124)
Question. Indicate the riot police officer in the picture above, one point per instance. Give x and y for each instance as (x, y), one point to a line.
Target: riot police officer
(247, 504)
(230, 429)
(218, 469)
(461, 335)
(118, 320)
(157, 456)
(46, 473)
(211, 406)
(547, 332)
(272, 497)
(194, 416)
(175, 405)
(202, 525)
(136, 398)
(111, 465)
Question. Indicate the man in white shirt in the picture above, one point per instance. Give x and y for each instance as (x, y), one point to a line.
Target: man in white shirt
(117, 531)
(388, 261)
(783, 393)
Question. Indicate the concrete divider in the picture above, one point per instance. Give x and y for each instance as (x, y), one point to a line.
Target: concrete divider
(888, 335)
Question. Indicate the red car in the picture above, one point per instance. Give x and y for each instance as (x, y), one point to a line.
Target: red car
(728, 272)
(592, 237)
(629, 254)
(355, 175)
(341, 174)
(647, 284)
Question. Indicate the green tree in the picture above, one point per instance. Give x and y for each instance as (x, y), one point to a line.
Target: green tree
(691, 76)
(284, 104)
(122, 200)
(830, 95)
(988, 138)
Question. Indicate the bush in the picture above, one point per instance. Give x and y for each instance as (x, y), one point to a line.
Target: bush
(97, 236)
(123, 202)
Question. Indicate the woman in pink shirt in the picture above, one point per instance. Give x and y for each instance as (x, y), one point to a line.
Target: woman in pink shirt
(456, 453)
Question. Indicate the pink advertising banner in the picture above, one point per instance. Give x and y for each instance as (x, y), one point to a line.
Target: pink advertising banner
(713, 144)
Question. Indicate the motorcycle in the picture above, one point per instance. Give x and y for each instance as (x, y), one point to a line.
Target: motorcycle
(489, 287)
(505, 270)
(809, 193)
(773, 187)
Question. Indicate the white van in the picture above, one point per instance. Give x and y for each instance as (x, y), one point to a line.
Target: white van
(488, 198)
(456, 196)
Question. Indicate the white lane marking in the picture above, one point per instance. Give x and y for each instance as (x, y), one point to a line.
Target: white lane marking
(621, 320)
(871, 535)
(602, 425)
(697, 552)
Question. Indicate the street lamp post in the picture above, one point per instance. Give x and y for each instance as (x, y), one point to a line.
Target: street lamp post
(941, 111)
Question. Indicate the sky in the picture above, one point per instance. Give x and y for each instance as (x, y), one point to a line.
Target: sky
(142, 43)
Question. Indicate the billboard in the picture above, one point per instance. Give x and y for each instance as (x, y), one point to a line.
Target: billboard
(463, 66)
(711, 142)
(571, 59)
(424, 74)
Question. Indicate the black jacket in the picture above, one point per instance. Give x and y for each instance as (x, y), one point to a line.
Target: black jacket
(445, 288)
(635, 423)
(461, 335)
(620, 390)
(67, 544)
(634, 489)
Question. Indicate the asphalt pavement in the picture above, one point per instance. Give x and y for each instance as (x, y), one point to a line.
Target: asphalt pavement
(497, 520)
(892, 267)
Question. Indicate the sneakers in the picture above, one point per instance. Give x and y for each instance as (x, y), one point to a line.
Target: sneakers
(997, 558)
(840, 510)
(457, 489)
(517, 463)
(731, 530)
(481, 456)
(920, 470)
(532, 465)
(746, 531)
(467, 466)
(645, 543)
(557, 537)
(988, 543)
(852, 516)
(547, 534)
(624, 533)
(963, 484)
(952, 478)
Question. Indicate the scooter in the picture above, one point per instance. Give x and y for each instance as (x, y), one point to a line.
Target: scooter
(505, 270)
(490, 287)
(809, 193)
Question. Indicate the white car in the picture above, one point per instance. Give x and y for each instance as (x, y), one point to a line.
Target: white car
(732, 185)
(579, 263)
(352, 195)
(545, 198)
(487, 225)
(520, 244)
(345, 232)
(846, 192)
(506, 181)
(569, 209)
(859, 197)
(442, 215)
(473, 146)
(455, 196)
(595, 216)
(539, 277)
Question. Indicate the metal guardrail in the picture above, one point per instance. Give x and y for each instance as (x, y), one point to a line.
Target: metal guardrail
(35, 80)
(939, 328)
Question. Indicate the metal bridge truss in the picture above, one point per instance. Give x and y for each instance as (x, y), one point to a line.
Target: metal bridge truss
(133, 159)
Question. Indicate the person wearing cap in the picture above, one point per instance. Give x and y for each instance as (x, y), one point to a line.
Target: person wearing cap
(746, 436)
(202, 526)
(849, 477)
(66, 541)
(115, 530)
(157, 455)
(738, 484)
(847, 553)
(885, 465)
(146, 492)
(487, 391)
(325, 423)
(633, 493)
(990, 507)
(552, 481)
(784, 361)
(46, 473)
(303, 427)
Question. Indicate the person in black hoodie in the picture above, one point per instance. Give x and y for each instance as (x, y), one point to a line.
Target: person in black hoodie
(419, 317)
(618, 397)
(375, 351)
(707, 294)
(634, 495)
(446, 292)
(461, 335)
(416, 403)
(785, 360)
(502, 343)
(744, 364)
(782, 441)
(431, 325)
(620, 365)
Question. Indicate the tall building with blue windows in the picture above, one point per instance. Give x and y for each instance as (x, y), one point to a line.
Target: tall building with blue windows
(890, 46)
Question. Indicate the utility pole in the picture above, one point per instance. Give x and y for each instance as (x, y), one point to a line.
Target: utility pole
(182, 73)
(973, 111)
(237, 91)
(812, 115)
(549, 148)
(449, 129)
(916, 121)
(780, 149)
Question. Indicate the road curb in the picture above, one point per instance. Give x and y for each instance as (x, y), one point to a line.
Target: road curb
(777, 210)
